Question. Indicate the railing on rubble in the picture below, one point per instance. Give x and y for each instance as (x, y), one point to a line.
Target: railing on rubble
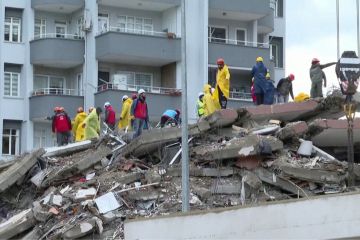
(135, 88)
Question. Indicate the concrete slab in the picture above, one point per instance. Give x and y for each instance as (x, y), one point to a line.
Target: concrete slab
(17, 224)
(222, 118)
(67, 149)
(292, 130)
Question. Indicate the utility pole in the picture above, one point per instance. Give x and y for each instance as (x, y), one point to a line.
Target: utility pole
(184, 123)
(357, 27)
(338, 29)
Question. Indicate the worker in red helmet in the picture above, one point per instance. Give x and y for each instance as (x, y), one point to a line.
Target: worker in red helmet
(284, 88)
(61, 125)
(317, 77)
(222, 88)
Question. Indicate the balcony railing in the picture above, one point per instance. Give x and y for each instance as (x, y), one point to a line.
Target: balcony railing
(55, 91)
(238, 42)
(135, 88)
(58, 35)
(136, 32)
(240, 96)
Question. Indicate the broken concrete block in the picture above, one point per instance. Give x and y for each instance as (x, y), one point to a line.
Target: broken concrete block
(38, 178)
(222, 118)
(17, 224)
(19, 169)
(252, 181)
(226, 189)
(145, 195)
(202, 192)
(40, 214)
(107, 203)
(152, 176)
(292, 130)
(83, 194)
(68, 149)
(80, 229)
(249, 162)
(36, 233)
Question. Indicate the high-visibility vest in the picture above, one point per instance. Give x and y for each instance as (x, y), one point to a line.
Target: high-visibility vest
(200, 108)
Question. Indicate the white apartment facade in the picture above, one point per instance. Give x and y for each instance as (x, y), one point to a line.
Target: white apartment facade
(75, 53)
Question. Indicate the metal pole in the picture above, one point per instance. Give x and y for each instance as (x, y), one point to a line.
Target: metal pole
(184, 123)
(357, 25)
(338, 29)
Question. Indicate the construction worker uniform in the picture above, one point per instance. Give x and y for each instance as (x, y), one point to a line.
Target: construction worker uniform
(77, 129)
(200, 108)
(222, 87)
(125, 117)
(209, 103)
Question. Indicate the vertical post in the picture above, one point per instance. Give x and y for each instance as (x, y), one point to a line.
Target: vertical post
(357, 27)
(338, 29)
(184, 123)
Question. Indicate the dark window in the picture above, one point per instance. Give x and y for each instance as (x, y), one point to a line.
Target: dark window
(217, 34)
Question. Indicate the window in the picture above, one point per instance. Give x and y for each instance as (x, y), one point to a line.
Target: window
(144, 80)
(217, 34)
(60, 29)
(103, 22)
(79, 27)
(12, 29)
(278, 8)
(49, 84)
(40, 138)
(11, 84)
(241, 37)
(10, 142)
(133, 81)
(79, 84)
(40, 28)
(274, 54)
(135, 25)
(276, 51)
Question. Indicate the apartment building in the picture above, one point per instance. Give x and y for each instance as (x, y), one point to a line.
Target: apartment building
(75, 53)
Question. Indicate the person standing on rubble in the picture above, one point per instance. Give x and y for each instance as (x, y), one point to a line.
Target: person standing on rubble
(259, 72)
(269, 90)
(91, 124)
(139, 110)
(78, 131)
(61, 125)
(284, 88)
(170, 115)
(110, 118)
(125, 116)
(222, 88)
(200, 105)
(208, 100)
(317, 77)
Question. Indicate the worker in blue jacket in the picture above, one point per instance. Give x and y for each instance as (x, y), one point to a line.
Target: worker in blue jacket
(170, 114)
(258, 72)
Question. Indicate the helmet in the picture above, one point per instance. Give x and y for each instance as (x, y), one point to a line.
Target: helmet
(177, 111)
(133, 96)
(61, 109)
(107, 104)
(90, 109)
(125, 97)
(56, 109)
(315, 60)
(267, 75)
(80, 109)
(259, 59)
(201, 94)
(212, 90)
(291, 77)
(220, 61)
(141, 91)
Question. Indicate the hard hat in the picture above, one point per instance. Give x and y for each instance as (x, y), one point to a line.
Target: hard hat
(107, 104)
(267, 75)
(90, 109)
(220, 61)
(61, 109)
(56, 109)
(315, 60)
(133, 96)
(141, 91)
(212, 90)
(80, 109)
(291, 77)
(177, 111)
(125, 97)
(259, 59)
(201, 94)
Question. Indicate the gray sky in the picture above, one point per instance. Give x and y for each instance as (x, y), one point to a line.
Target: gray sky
(311, 32)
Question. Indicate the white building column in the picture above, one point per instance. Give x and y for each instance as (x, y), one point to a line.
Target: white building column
(90, 69)
(255, 33)
(196, 51)
(2, 17)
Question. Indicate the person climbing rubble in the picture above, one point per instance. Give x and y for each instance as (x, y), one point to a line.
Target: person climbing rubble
(317, 77)
(109, 115)
(284, 88)
(139, 109)
(170, 116)
(221, 94)
(91, 124)
(208, 100)
(61, 125)
(125, 116)
(259, 72)
(78, 131)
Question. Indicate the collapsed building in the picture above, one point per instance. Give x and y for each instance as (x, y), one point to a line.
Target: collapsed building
(237, 157)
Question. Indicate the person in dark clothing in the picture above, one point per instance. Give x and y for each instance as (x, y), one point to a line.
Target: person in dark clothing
(317, 77)
(269, 90)
(284, 87)
(259, 72)
(139, 110)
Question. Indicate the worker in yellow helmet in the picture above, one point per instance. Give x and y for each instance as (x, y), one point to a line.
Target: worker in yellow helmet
(77, 129)
(125, 117)
(209, 103)
(301, 97)
(222, 88)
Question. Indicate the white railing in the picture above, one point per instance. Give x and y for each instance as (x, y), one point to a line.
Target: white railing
(238, 42)
(240, 96)
(135, 88)
(55, 91)
(58, 35)
(136, 31)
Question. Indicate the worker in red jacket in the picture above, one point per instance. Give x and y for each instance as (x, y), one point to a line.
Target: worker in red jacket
(110, 118)
(61, 125)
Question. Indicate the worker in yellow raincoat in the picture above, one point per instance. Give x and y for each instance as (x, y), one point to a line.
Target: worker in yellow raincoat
(209, 103)
(125, 116)
(301, 97)
(222, 88)
(91, 124)
(77, 129)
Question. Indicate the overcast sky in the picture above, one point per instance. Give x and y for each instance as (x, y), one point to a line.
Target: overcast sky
(311, 32)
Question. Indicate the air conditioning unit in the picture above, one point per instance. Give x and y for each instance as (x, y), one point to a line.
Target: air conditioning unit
(87, 24)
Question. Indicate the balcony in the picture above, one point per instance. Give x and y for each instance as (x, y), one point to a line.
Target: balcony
(43, 101)
(266, 24)
(146, 48)
(54, 50)
(58, 6)
(159, 99)
(145, 5)
(238, 54)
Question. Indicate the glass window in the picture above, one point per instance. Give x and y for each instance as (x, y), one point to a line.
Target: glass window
(10, 142)
(79, 27)
(217, 34)
(274, 54)
(144, 80)
(11, 84)
(40, 83)
(40, 28)
(60, 30)
(130, 24)
(12, 27)
(103, 22)
(241, 37)
(40, 138)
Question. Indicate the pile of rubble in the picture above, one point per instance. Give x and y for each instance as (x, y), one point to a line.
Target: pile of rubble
(237, 157)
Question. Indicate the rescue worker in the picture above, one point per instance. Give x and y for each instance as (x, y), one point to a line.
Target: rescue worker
(258, 72)
(200, 105)
(222, 88)
(269, 90)
(317, 77)
(90, 109)
(133, 96)
(252, 89)
(170, 115)
(208, 100)
(61, 125)
(78, 131)
(91, 124)
(301, 97)
(110, 118)
(284, 88)
(125, 116)
(139, 110)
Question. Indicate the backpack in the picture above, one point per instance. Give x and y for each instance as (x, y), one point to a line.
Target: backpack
(348, 71)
